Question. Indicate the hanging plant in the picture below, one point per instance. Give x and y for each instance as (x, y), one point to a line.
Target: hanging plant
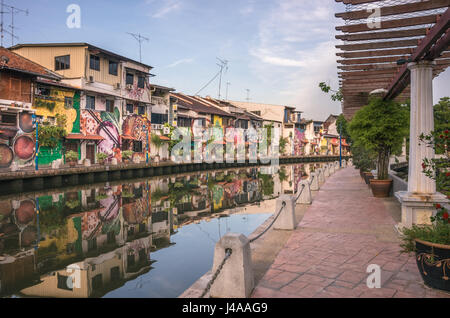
(45, 104)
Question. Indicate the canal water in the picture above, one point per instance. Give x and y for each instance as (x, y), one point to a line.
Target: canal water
(137, 238)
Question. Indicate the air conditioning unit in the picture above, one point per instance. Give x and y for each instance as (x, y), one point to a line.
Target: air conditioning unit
(129, 86)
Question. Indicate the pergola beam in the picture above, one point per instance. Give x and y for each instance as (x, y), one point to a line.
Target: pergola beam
(439, 29)
(401, 51)
(382, 35)
(390, 24)
(393, 10)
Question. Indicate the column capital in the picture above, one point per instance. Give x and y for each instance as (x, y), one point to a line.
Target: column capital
(421, 64)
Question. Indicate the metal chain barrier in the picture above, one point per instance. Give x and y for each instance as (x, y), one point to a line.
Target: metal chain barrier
(300, 193)
(273, 221)
(228, 253)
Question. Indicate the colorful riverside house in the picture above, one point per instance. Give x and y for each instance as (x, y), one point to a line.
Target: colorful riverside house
(17, 79)
(115, 97)
(53, 100)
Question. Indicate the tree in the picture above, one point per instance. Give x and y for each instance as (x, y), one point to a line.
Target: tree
(342, 126)
(337, 94)
(441, 119)
(381, 126)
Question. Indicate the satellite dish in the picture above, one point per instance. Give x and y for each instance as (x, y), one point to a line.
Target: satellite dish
(4, 59)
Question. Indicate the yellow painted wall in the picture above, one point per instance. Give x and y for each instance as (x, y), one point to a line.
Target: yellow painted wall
(59, 95)
(46, 57)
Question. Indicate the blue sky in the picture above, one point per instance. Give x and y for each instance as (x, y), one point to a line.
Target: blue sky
(279, 49)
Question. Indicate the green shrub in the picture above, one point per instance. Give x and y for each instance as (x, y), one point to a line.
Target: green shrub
(71, 156)
(127, 154)
(101, 156)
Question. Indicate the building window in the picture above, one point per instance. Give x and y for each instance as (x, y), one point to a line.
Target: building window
(94, 63)
(63, 282)
(8, 119)
(137, 146)
(159, 119)
(130, 108)
(257, 112)
(90, 102)
(113, 67)
(141, 81)
(92, 244)
(68, 102)
(130, 79)
(62, 62)
(110, 106)
(141, 110)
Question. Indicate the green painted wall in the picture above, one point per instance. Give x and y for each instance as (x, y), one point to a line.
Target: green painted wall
(47, 155)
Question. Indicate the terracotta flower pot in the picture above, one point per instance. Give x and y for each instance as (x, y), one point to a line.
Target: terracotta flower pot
(433, 261)
(72, 163)
(380, 188)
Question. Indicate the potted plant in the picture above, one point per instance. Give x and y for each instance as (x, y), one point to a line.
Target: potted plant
(431, 244)
(380, 127)
(101, 157)
(157, 142)
(127, 155)
(72, 158)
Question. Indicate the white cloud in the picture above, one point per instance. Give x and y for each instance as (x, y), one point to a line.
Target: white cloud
(182, 61)
(170, 5)
(294, 52)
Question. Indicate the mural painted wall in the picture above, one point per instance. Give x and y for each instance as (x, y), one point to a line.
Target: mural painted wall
(113, 129)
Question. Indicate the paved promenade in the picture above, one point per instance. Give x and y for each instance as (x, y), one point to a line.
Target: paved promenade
(342, 232)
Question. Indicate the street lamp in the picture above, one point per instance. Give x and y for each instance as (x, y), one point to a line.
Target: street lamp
(36, 122)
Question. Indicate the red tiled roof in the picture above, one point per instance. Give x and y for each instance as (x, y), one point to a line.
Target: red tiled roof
(83, 137)
(194, 104)
(20, 64)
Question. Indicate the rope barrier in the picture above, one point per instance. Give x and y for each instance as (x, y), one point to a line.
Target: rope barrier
(228, 253)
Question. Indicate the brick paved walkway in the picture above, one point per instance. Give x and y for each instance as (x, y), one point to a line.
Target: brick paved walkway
(343, 231)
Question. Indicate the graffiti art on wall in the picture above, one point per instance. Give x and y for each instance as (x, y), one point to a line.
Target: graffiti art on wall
(298, 142)
(17, 144)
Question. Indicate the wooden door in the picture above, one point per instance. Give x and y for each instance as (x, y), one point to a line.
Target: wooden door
(90, 153)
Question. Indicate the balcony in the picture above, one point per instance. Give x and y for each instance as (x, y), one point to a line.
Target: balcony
(159, 101)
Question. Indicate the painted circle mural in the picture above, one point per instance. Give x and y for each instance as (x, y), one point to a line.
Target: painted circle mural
(26, 122)
(6, 156)
(24, 147)
(26, 212)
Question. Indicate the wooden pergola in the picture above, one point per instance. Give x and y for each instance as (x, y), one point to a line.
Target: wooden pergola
(380, 38)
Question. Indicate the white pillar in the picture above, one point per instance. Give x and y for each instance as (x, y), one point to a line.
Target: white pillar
(422, 121)
(418, 202)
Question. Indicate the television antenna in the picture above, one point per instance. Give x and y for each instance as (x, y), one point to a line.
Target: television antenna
(248, 95)
(13, 10)
(226, 96)
(223, 64)
(138, 37)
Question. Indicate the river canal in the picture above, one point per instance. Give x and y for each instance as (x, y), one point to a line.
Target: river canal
(137, 238)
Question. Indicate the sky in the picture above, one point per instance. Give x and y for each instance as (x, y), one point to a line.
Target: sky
(278, 49)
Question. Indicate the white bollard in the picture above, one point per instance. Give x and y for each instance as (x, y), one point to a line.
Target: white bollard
(326, 171)
(315, 186)
(305, 196)
(286, 220)
(87, 163)
(114, 162)
(321, 176)
(350, 162)
(337, 166)
(344, 163)
(236, 279)
(331, 167)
